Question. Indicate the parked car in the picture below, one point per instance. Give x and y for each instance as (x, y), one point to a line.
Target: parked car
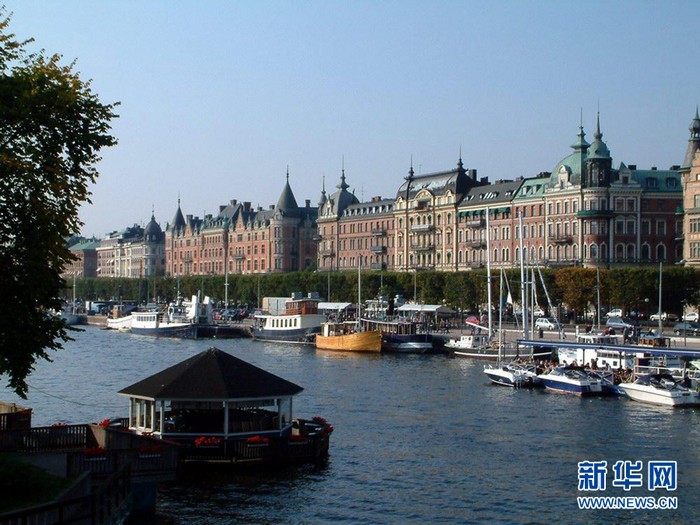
(693, 317)
(544, 323)
(619, 323)
(686, 328)
(665, 317)
(537, 312)
(615, 312)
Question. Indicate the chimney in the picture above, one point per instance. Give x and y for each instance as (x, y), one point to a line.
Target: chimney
(234, 202)
(272, 206)
(221, 208)
(472, 174)
(246, 206)
(653, 168)
(259, 208)
(675, 167)
(308, 203)
(632, 167)
(483, 179)
(377, 198)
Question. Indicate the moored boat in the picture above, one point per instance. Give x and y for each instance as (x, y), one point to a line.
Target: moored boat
(571, 380)
(344, 336)
(400, 335)
(660, 389)
(515, 375)
(299, 323)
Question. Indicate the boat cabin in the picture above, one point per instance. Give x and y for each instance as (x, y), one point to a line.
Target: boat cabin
(212, 394)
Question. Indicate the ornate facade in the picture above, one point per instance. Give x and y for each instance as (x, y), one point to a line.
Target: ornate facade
(691, 196)
(243, 240)
(134, 252)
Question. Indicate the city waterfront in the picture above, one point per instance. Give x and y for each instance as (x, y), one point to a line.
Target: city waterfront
(417, 438)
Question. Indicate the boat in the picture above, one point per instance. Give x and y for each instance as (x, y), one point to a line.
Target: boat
(571, 380)
(345, 336)
(660, 389)
(160, 325)
(400, 335)
(517, 375)
(122, 324)
(299, 323)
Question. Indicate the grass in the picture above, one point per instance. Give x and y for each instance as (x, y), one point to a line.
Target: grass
(25, 485)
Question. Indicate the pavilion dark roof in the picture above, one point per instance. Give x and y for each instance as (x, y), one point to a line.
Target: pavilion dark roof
(212, 374)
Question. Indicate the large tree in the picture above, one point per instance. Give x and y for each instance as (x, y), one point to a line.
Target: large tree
(52, 127)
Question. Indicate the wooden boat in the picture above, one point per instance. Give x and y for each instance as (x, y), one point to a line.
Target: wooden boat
(345, 337)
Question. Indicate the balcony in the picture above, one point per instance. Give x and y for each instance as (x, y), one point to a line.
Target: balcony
(238, 257)
(594, 214)
(477, 244)
(316, 237)
(379, 232)
(326, 252)
(561, 239)
(422, 247)
(379, 249)
(476, 223)
(377, 266)
(422, 228)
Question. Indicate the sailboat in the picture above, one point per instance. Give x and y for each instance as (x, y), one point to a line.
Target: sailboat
(348, 336)
(513, 374)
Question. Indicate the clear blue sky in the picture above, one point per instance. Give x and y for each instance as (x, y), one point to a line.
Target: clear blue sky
(219, 97)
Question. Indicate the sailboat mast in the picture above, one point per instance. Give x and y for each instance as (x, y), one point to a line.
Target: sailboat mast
(359, 289)
(523, 292)
(661, 276)
(488, 268)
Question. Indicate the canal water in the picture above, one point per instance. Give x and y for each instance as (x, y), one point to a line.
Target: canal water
(417, 439)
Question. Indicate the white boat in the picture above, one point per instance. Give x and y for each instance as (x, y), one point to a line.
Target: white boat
(159, 325)
(123, 324)
(660, 389)
(571, 380)
(514, 375)
(300, 323)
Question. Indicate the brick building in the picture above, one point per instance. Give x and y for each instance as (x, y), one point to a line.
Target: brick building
(243, 240)
(691, 196)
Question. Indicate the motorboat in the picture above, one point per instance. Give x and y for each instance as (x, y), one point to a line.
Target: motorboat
(400, 335)
(571, 380)
(660, 389)
(517, 375)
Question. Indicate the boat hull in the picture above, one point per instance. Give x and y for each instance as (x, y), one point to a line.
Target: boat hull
(182, 331)
(407, 343)
(512, 378)
(303, 336)
(357, 342)
(655, 396)
(579, 388)
(491, 354)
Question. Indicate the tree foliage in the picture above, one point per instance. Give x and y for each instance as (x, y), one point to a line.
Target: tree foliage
(52, 127)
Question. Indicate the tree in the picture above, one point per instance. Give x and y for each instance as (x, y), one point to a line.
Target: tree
(52, 128)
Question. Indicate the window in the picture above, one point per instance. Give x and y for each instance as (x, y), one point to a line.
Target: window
(660, 227)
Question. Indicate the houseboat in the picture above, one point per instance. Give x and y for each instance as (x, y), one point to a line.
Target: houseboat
(299, 323)
(400, 335)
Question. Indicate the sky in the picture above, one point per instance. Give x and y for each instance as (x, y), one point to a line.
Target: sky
(220, 98)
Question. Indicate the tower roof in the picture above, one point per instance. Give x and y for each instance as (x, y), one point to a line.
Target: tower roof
(598, 149)
(693, 141)
(287, 202)
(179, 219)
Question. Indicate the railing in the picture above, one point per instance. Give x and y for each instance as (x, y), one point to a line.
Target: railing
(378, 249)
(591, 214)
(379, 232)
(17, 419)
(43, 439)
(422, 228)
(238, 256)
(478, 223)
(326, 252)
(561, 239)
(422, 247)
(478, 244)
(101, 507)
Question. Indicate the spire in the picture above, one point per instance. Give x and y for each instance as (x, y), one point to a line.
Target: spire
(598, 135)
(693, 141)
(342, 186)
(287, 173)
(322, 201)
(410, 171)
(287, 201)
(460, 165)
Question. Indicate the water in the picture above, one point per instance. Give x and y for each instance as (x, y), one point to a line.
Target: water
(417, 438)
